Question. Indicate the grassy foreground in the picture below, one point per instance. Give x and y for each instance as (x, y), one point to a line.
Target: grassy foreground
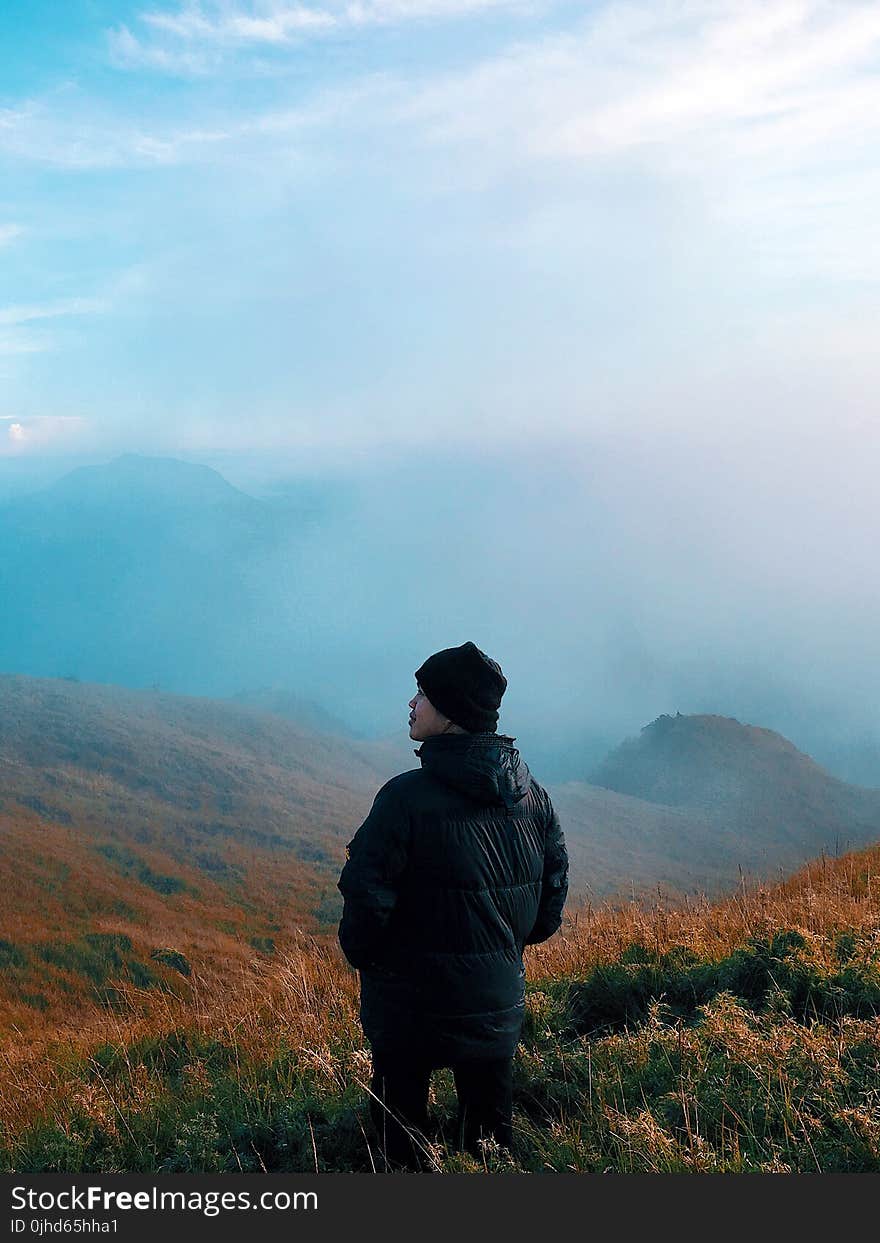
(740, 1036)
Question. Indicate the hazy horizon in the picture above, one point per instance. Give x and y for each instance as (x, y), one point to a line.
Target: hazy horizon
(601, 620)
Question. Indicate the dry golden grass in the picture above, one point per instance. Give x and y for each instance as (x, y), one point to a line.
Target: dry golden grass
(297, 1013)
(828, 895)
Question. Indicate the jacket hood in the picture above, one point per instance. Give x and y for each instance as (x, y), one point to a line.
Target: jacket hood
(486, 767)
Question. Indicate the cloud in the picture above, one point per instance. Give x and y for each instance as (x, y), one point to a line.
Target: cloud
(765, 90)
(665, 161)
(767, 115)
(685, 88)
(38, 432)
(9, 233)
(18, 315)
(50, 310)
(250, 24)
(67, 134)
(128, 52)
(10, 344)
(19, 318)
(278, 23)
(84, 135)
(778, 80)
(768, 78)
(198, 38)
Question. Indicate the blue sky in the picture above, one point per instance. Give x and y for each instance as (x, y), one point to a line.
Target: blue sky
(333, 227)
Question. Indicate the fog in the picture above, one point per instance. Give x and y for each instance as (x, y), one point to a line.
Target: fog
(638, 574)
(630, 574)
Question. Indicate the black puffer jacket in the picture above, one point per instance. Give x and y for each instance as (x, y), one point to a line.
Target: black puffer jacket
(458, 865)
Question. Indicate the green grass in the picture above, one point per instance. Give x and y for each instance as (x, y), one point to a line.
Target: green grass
(131, 864)
(100, 957)
(766, 1059)
(174, 959)
(784, 971)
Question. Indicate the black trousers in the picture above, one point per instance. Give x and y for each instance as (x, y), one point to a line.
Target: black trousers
(399, 1103)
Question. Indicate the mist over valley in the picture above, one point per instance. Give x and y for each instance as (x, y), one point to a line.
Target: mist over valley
(610, 594)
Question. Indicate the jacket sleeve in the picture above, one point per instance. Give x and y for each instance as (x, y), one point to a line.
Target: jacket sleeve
(376, 857)
(554, 882)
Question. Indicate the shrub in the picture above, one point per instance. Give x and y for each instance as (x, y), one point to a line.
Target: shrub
(11, 956)
(784, 970)
(172, 958)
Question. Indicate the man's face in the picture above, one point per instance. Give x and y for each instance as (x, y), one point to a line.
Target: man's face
(424, 719)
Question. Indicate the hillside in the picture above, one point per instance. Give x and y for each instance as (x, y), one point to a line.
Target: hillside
(132, 480)
(619, 844)
(164, 821)
(765, 802)
(142, 571)
(137, 822)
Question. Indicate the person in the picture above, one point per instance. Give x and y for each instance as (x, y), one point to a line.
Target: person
(459, 865)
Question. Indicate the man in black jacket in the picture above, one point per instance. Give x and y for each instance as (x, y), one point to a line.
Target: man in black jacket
(458, 866)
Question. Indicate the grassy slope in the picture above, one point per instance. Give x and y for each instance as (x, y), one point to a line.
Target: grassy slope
(621, 844)
(753, 797)
(183, 823)
(136, 822)
(739, 1036)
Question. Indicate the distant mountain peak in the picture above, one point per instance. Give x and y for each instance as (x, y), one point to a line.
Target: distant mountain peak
(709, 723)
(703, 760)
(132, 478)
(709, 729)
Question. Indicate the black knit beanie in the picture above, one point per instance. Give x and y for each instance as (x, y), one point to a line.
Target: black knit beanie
(465, 685)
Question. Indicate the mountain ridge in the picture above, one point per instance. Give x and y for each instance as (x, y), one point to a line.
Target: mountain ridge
(137, 477)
